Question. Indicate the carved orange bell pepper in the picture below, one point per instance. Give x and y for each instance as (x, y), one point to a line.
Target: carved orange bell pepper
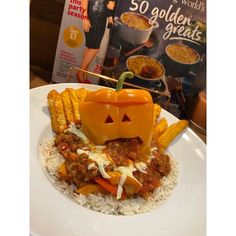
(108, 114)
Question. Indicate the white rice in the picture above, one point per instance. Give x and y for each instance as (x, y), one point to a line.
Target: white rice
(107, 204)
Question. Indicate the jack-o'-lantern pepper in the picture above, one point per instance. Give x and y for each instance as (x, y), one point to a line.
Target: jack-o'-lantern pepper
(108, 114)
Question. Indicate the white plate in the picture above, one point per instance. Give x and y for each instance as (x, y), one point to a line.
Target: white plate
(51, 213)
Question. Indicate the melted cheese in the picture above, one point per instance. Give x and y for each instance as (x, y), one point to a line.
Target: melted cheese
(100, 147)
(152, 156)
(99, 157)
(125, 171)
(78, 132)
(141, 166)
(120, 186)
(81, 151)
(102, 161)
(92, 165)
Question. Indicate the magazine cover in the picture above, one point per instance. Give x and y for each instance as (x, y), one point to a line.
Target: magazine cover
(164, 44)
(83, 39)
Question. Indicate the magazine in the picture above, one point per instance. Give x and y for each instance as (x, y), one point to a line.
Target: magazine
(164, 44)
(83, 39)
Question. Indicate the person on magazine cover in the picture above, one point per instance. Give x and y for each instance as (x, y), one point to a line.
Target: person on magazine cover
(95, 15)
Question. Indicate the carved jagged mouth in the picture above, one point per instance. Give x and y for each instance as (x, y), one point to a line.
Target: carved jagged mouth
(139, 139)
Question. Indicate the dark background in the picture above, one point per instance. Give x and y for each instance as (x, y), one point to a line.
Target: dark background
(45, 20)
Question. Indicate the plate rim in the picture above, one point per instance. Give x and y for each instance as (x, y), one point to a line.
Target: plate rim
(62, 85)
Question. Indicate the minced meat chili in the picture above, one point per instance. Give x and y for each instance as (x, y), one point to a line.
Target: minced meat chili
(76, 165)
(156, 170)
(121, 151)
(68, 142)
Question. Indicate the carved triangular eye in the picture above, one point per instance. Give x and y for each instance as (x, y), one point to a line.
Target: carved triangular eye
(109, 120)
(125, 118)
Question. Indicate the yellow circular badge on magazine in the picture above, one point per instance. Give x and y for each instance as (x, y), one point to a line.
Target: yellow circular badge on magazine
(73, 37)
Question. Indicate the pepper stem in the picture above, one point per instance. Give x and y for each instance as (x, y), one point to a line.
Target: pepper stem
(123, 76)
